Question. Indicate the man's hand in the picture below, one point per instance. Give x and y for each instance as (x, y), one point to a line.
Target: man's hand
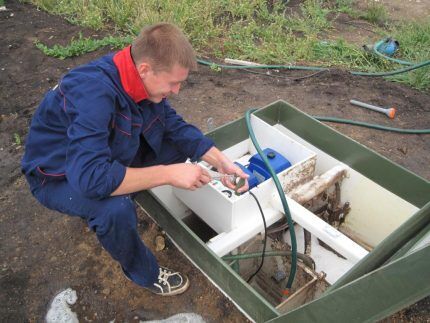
(187, 176)
(225, 166)
(228, 167)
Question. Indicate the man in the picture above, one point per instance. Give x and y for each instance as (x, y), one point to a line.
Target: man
(106, 131)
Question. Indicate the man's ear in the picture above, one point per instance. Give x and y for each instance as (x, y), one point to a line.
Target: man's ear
(143, 69)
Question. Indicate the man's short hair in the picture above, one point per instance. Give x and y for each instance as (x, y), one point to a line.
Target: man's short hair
(163, 45)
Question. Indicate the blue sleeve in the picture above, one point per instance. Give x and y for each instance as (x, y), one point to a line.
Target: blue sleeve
(89, 167)
(187, 138)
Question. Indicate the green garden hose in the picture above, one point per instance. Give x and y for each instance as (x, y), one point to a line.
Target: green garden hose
(283, 200)
(272, 67)
(377, 52)
(394, 72)
(314, 68)
(307, 260)
(373, 126)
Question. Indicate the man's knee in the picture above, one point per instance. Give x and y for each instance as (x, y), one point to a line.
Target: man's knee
(118, 214)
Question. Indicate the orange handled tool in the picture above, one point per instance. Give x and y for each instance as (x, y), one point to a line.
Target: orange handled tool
(389, 112)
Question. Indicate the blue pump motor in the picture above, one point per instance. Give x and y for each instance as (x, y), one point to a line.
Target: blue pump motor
(257, 170)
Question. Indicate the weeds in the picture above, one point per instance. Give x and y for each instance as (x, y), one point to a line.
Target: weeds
(214, 67)
(414, 39)
(376, 14)
(83, 45)
(256, 30)
(17, 139)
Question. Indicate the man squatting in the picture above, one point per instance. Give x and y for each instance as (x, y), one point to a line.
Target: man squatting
(107, 131)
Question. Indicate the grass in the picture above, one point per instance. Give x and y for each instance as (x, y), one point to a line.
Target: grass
(414, 42)
(376, 13)
(83, 45)
(256, 30)
(345, 6)
(17, 139)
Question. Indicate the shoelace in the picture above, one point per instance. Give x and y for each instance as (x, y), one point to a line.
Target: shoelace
(163, 277)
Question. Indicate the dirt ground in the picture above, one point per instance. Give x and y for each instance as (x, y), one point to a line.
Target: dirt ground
(43, 252)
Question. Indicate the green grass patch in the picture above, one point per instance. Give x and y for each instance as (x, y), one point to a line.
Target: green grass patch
(341, 53)
(256, 30)
(376, 13)
(17, 139)
(83, 45)
(414, 39)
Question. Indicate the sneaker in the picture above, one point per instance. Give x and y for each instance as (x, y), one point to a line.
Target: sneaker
(169, 283)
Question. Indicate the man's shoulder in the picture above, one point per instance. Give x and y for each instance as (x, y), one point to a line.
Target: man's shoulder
(95, 77)
(102, 69)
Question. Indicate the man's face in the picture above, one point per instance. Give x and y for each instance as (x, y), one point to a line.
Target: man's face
(160, 84)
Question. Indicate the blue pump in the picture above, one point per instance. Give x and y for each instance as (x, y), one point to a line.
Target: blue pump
(257, 170)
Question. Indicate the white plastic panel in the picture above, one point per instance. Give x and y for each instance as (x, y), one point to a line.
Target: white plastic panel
(325, 232)
(375, 211)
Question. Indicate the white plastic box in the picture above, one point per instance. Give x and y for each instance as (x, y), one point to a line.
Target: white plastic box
(223, 213)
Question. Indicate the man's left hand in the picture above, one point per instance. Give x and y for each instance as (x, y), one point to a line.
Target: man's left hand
(228, 167)
(225, 166)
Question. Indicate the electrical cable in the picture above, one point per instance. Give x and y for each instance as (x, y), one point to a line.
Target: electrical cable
(279, 228)
(373, 126)
(285, 77)
(264, 239)
(283, 200)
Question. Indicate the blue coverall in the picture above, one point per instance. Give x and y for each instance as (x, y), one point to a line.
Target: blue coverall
(84, 134)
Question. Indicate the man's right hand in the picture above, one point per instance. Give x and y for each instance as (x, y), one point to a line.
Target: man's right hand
(187, 176)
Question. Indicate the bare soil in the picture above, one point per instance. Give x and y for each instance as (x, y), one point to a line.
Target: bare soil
(43, 252)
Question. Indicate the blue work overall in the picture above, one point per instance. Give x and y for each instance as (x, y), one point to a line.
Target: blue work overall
(88, 129)
(113, 219)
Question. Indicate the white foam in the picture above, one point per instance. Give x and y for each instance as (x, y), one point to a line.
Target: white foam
(59, 311)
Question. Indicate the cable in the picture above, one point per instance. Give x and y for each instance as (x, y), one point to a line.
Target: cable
(264, 240)
(283, 200)
(373, 126)
(285, 77)
(281, 227)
